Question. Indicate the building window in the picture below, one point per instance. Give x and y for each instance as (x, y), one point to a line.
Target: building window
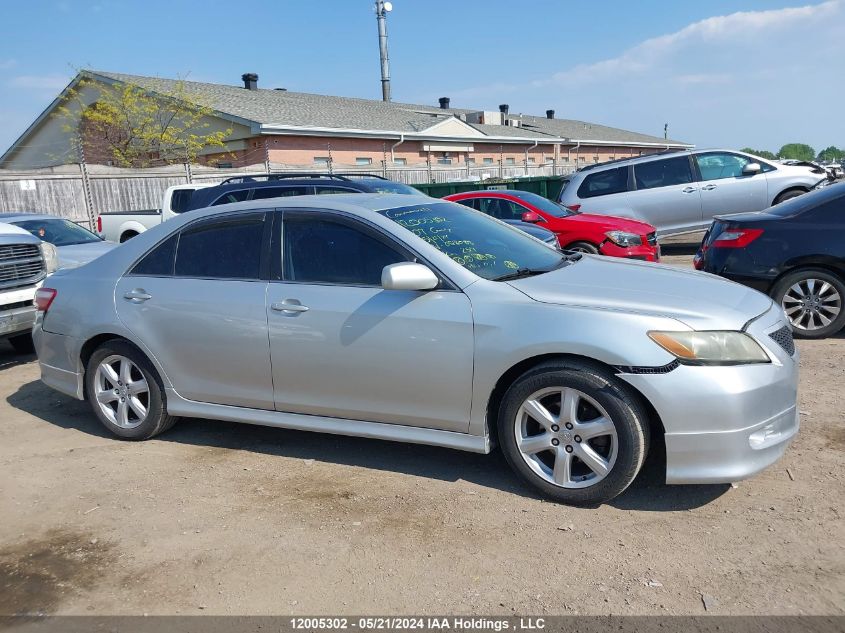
(363, 161)
(400, 161)
(595, 159)
(531, 161)
(224, 165)
(321, 160)
(444, 161)
(550, 161)
(488, 161)
(470, 160)
(611, 158)
(510, 161)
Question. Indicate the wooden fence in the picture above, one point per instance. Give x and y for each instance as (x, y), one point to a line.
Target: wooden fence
(81, 192)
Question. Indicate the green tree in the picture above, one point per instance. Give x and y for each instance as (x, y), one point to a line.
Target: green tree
(762, 153)
(138, 128)
(797, 151)
(831, 154)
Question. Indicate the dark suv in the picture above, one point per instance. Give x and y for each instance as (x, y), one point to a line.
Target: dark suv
(262, 186)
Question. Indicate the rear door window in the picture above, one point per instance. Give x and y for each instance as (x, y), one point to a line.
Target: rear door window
(222, 249)
(604, 183)
(663, 173)
(238, 195)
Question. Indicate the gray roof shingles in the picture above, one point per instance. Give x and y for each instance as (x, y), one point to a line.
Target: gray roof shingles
(282, 107)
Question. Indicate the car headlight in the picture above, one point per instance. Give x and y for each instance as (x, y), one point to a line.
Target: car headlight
(51, 257)
(711, 347)
(623, 238)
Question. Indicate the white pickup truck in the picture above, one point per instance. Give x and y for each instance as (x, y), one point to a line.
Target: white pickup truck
(119, 226)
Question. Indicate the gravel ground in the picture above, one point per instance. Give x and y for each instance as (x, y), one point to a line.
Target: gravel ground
(230, 519)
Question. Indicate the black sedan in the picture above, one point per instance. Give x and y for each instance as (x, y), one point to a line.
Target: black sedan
(793, 251)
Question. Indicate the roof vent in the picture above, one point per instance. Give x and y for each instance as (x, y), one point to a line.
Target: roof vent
(504, 108)
(250, 81)
(444, 102)
(550, 114)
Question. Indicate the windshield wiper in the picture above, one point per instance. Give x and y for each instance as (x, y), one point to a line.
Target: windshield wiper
(522, 272)
(566, 259)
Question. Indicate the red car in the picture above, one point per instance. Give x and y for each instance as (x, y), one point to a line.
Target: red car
(584, 232)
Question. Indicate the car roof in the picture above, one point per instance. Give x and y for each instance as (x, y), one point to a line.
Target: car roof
(25, 215)
(202, 197)
(355, 203)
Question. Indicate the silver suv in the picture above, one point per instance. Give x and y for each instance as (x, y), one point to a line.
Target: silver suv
(679, 192)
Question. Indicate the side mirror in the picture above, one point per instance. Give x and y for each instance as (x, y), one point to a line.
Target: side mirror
(532, 217)
(408, 276)
(751, 168)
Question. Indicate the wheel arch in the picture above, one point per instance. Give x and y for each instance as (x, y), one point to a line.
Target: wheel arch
(801, 188)
(809, 263)
(514, 372)
(92, 344)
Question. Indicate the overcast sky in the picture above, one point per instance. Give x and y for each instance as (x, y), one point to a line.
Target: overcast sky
(720, 73)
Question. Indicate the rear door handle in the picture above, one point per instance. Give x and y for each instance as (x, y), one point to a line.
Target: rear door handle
(138, 295)
(689, 189)
(709, 187)
(289, 305)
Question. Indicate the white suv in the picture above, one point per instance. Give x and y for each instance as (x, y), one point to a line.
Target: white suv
(681, 191)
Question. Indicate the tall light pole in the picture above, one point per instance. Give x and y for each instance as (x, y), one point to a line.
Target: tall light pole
(382, 9)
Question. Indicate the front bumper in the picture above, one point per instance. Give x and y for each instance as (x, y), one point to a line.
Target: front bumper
(645, 252)
(726, 423)
(17, 312)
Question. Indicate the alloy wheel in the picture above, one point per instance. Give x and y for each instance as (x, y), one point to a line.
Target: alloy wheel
(122, 392)
(811, 304)
(566, 437)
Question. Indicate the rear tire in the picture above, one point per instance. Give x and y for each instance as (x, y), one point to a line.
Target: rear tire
(125, 392)
(582, 247)
(826, 292)
(22, 343)
(574, 432)
(788, 195)
(127, 236)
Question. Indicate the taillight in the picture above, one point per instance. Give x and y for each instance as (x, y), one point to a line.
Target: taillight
(736, 238)
(573, 207)
(44, 298)
(99, 224)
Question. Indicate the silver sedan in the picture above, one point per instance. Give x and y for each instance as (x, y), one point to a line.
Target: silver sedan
(417, 320)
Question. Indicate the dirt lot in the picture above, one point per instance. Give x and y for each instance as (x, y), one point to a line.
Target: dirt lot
(231, 519)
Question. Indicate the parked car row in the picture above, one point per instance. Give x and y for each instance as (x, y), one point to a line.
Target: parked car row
(419, 320)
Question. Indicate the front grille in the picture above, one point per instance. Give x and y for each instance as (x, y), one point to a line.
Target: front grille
(783, 337)
(652, 239)
(20, 264)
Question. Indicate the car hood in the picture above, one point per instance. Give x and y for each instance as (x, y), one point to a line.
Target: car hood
(612, 223)
(699, 300)
(75, 255)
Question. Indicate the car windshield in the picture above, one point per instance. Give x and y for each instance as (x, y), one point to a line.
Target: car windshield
(488, 248)
(388, 186)
(544, 204)
(58, 232)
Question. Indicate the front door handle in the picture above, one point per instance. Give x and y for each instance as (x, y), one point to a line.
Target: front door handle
(289, 305)
(709, 187)
(138, 295)
(689, 189)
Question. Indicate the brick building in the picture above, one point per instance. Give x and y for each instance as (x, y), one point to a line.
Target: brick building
(310, 130)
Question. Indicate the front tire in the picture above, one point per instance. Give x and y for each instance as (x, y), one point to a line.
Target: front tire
(812, 299)
(583, 247)
(125, 392)
(22, 343)
(788, 195)
(574, 432)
